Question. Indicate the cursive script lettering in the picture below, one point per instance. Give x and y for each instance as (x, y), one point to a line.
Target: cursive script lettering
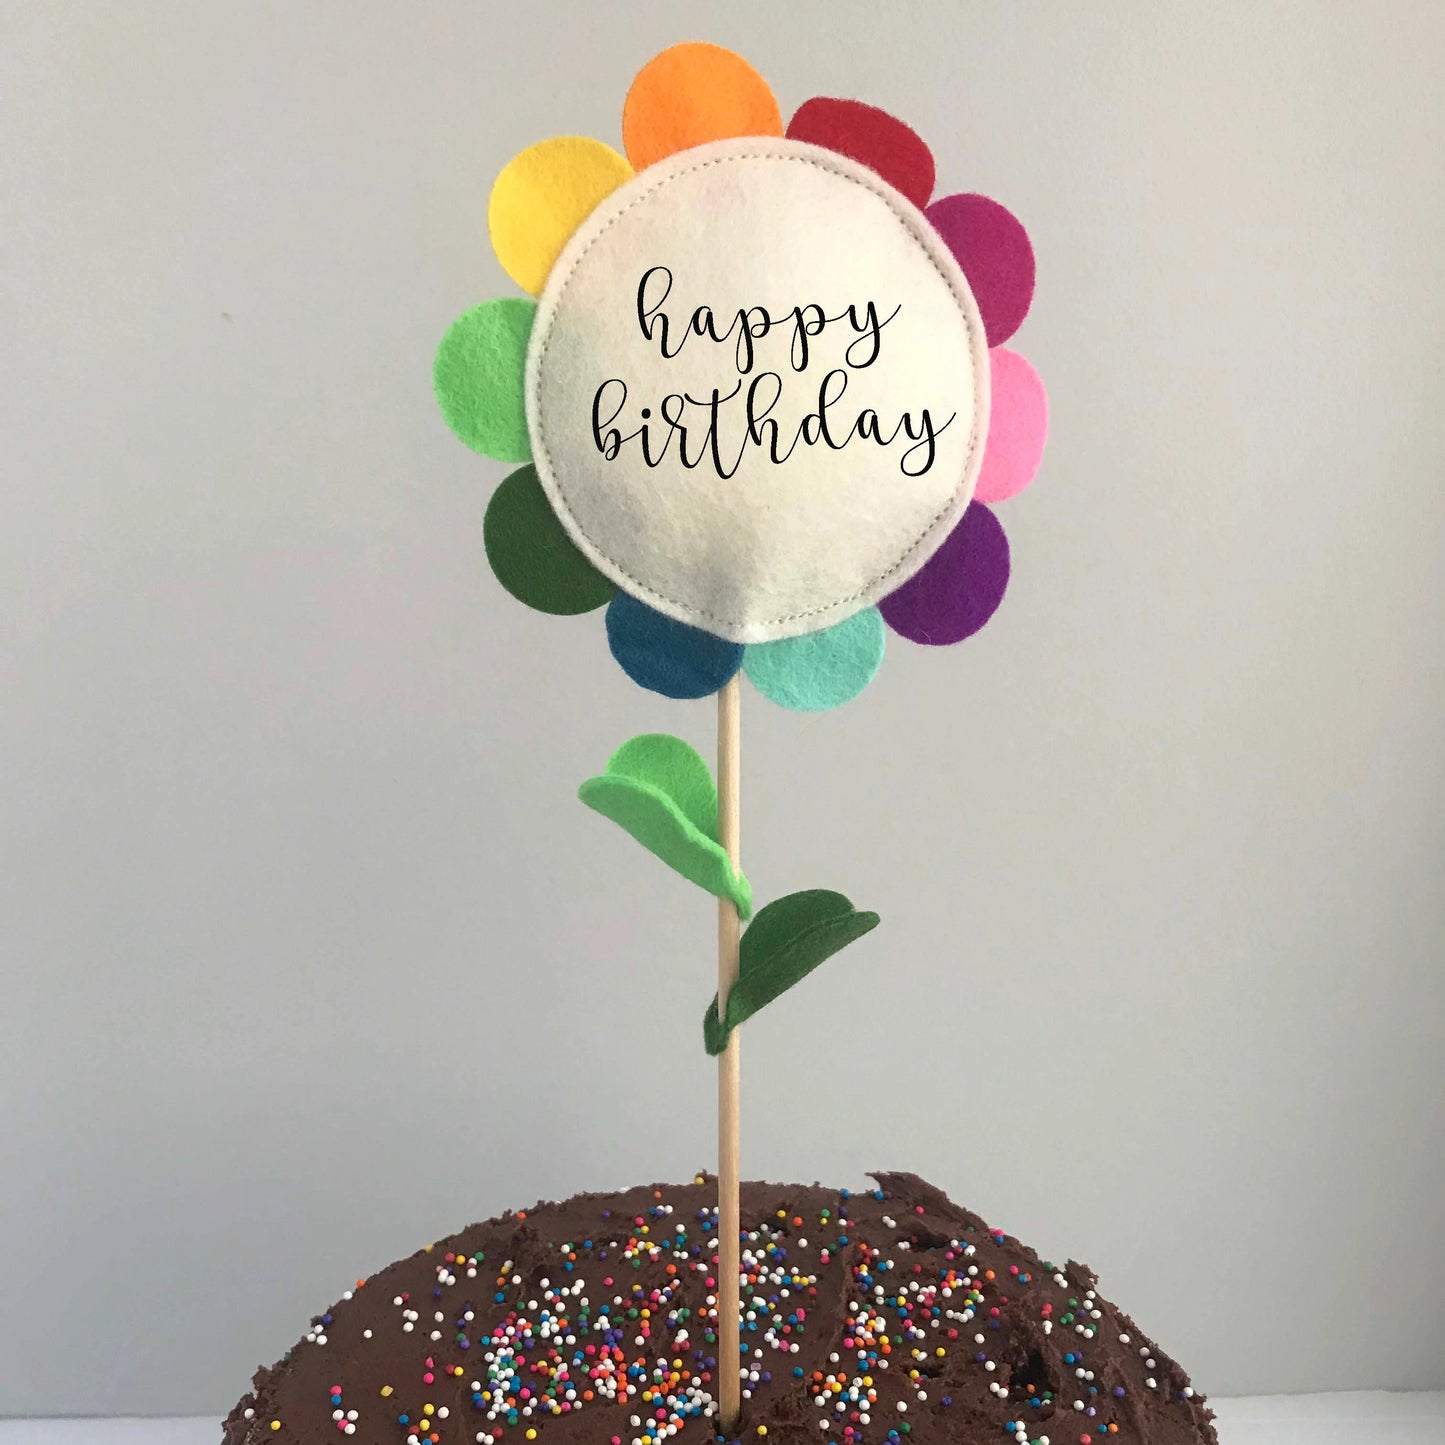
(726, 423)
(703, 431)
(753, 323)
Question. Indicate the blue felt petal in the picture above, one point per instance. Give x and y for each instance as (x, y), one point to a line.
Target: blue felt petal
(666, 656)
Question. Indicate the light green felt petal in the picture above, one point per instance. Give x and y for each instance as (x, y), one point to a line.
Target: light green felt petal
(532, 555)
(660, 791)
(788, 939)
(478, 377)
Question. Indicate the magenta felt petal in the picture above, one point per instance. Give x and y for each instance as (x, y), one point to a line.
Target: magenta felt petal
(1018, 422)
(959, 588)
(991, 246)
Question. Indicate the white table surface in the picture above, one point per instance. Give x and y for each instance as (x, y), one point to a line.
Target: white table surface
(1354, 1419)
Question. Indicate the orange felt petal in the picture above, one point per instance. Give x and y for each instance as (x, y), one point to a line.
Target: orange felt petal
(691, 94)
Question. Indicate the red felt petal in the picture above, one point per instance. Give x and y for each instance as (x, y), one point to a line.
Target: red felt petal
(871, 137)
(989, 242)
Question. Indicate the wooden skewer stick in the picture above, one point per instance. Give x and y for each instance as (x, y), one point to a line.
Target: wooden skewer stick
(729, 750)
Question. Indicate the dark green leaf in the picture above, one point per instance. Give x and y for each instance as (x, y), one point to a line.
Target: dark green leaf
(783, 945)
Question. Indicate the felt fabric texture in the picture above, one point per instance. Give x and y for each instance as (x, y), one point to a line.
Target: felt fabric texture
(819, 670)
(788, 939)
(691, 94)
(663, 655)
(961, 587)
(542, 196)
(478, 377)
(532, 555)
(1018, 424)
(660, 791)
(754, 549)
(871, 137)
(994, 250)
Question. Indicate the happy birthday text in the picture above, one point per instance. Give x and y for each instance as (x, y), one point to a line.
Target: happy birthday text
(724, 425)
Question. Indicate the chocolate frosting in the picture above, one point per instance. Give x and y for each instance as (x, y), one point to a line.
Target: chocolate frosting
(884, 1317)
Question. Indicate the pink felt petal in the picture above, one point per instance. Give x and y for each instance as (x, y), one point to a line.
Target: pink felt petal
(959, 588)
(1018, 422)
(871, 137)
(991, 245)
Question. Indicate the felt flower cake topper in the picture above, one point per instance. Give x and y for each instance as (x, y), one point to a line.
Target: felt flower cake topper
(761, 392)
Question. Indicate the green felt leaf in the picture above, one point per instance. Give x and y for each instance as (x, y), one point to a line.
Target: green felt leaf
(532, 555)
(788, 939)
(478, 377)
(660, 791)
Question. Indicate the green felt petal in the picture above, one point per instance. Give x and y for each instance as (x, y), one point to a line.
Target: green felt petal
(478, 377)
(532, 555)
(660, 791)
(788, 939)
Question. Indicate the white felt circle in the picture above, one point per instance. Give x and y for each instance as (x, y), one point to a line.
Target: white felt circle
(717, 532)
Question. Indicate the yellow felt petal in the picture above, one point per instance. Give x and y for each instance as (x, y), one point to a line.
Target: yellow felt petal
(692, 94)
(542, 196)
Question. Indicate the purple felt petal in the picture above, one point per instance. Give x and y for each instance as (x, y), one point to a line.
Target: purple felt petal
(991, 246)
(959, 588)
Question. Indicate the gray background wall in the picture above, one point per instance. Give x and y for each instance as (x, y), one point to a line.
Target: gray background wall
(309, 955)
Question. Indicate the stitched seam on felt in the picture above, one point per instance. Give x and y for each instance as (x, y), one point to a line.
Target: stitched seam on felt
(878, 188)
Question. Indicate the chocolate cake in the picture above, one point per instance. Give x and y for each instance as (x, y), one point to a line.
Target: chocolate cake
(869, 1318)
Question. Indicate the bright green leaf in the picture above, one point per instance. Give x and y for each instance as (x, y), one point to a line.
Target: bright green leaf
(660, 791)
(786, 941)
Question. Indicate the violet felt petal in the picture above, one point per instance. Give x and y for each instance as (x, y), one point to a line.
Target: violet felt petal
(991, 246)
(959, 588)
(871, 137)
(1018, 422)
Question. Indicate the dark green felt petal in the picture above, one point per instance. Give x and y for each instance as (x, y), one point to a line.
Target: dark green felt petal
(788, 939)
(532, 555)
(478, 377)
(659, 790)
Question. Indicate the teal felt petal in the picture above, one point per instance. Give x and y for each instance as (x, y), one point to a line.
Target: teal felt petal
(478, 377)
(788, 939)
(819, 670)
(660, 791)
